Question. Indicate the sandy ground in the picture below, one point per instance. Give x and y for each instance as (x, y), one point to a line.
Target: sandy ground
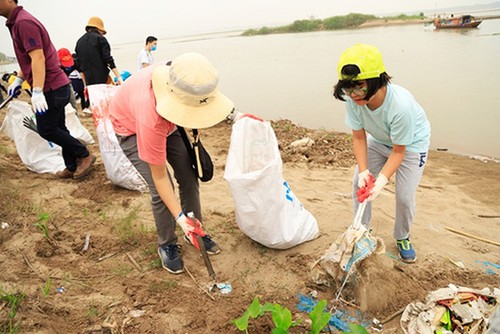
(118, 286)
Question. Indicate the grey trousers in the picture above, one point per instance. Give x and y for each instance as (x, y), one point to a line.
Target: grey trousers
(408, 177)
(187, 181)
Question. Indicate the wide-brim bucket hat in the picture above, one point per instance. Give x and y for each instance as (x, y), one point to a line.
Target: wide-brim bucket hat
(96, 22)
(186, 92)
(367, 58)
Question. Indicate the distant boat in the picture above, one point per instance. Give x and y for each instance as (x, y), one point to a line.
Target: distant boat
(464, 21)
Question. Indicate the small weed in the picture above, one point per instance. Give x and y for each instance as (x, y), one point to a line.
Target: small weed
(122, 270)
(162, 286)
(126, 231)
(12, 300)
(155, 264)
(92, 311)
(43, 228)
(46, 287)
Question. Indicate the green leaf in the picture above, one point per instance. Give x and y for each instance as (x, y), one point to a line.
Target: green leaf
(356, 329)
(282, 317)
(254, 311)
(278, 330)
(318, 317)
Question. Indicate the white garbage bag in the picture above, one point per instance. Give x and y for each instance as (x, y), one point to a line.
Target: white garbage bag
(119, 169)
(266, 208)
(38, 154)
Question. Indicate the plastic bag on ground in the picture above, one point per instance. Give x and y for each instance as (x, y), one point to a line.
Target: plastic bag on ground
(119, 169)
(36, 153)
(266, 208)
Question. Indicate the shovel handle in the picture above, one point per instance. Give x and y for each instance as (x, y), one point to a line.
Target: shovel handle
(206, 259)
(7, 100)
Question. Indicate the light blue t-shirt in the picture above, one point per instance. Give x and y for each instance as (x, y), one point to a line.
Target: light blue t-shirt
(399, 120)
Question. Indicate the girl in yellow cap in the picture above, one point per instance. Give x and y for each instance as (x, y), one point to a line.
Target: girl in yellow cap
(391, 135)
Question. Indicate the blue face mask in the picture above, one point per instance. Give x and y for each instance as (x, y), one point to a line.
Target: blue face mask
(153, 48)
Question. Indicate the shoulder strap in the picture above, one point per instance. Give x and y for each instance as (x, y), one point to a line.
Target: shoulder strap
(187, 142)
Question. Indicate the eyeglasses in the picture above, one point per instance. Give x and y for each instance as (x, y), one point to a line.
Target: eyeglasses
(356, 91)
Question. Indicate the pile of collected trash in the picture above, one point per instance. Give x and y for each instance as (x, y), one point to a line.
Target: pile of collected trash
(454, 310)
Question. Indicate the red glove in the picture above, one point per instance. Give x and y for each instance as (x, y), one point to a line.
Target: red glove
(191, 227)
(366, 191)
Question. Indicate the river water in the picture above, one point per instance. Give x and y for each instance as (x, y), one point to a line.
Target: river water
(454, 74)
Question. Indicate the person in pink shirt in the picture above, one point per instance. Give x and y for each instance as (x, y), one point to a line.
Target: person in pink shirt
(145, 111)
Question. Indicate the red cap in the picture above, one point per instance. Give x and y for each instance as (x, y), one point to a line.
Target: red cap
(65, 57)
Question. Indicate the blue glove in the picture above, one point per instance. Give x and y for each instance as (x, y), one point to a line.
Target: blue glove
(14, 88)
(38, 102)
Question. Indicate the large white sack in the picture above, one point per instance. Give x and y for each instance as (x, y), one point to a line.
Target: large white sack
(266, 208)
(119, 169)
(36, 153)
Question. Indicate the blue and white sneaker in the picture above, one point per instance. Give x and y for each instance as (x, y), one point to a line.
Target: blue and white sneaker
(406, 251)
(171, 259)
(210, 246)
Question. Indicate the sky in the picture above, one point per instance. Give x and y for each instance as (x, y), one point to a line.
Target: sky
(133, 20)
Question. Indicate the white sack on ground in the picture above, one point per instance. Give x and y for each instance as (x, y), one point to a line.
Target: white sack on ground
(266, 208)
(36, 153)
(119, 169)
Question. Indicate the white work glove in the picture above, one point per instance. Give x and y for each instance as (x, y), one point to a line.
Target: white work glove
(380, 183)
(187, 224)
(14, 88)
(38, 101)
(363, 178)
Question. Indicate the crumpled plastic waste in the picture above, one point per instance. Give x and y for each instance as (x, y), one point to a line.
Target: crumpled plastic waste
(452, 310)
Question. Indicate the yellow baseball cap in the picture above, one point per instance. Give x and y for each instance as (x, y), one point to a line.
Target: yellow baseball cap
(367, 57)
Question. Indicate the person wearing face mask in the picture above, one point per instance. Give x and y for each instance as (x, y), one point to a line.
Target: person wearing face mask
(145, 57)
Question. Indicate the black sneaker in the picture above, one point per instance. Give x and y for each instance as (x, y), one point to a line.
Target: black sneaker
(210, 246)
(171, 259)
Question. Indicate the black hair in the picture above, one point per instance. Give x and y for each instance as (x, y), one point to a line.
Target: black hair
(92, 29)
(150, 39)
(350, 72)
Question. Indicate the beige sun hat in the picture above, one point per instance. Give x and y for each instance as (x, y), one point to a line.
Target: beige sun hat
(186, 92)
(96, 22)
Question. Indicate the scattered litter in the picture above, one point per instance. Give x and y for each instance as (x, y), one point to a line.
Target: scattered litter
(491, 268)
(86, 243)
(313, 294)
(225, 288)
(136, 313)
(459, 264)
(4, 225)
(340, 319)
(304, 142)
(61, 289)
(452, 309)
(484, 159)
(377, 326)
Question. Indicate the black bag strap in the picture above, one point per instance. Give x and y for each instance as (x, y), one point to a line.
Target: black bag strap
(187, 142)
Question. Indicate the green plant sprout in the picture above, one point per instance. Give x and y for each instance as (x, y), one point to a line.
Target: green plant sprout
(46, 287)
(43, 228)
(282, 318)
(12, 300)
(356, 329)
(318, 317)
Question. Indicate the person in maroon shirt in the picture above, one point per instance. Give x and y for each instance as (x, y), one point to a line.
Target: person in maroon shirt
(39, 63)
